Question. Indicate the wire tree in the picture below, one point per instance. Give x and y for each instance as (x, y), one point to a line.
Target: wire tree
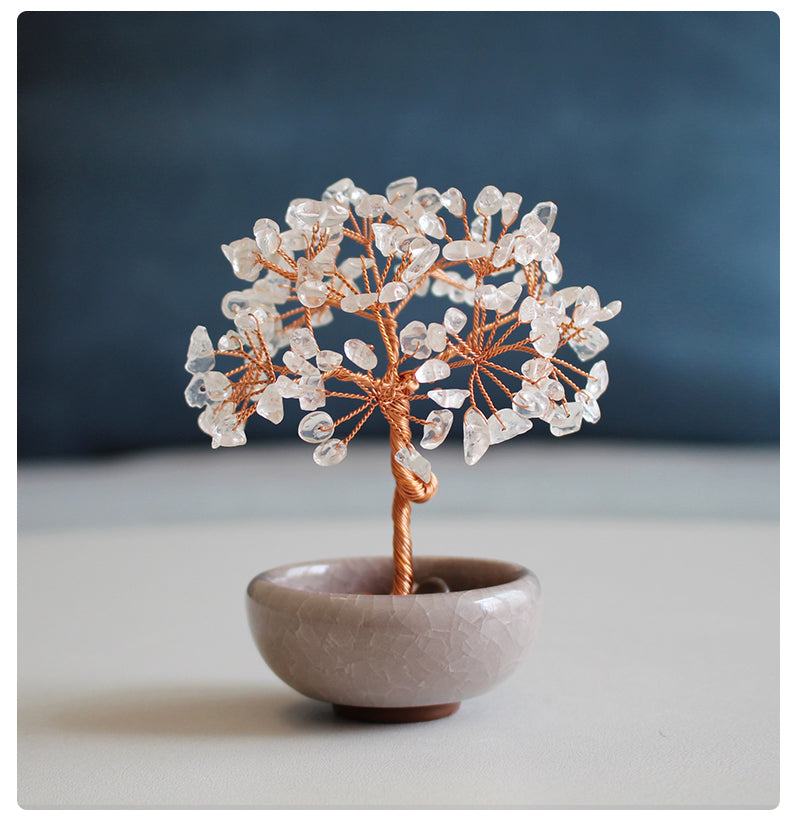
(407, 243)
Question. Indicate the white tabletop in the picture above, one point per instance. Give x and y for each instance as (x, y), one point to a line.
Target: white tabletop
(653, 681)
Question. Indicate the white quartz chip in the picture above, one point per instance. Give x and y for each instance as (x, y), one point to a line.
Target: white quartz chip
(450, 398)
(200, 355)
(432, 370)
(330, 452)
(597, 383)
(328, 360)
(565, 423)
(454, 320)
(410, 459)
(315, 427)
(505, 424)
(270, 404)
(303, 343)
(361, 354)
(476, 436)
(393, 292)
(437, 427)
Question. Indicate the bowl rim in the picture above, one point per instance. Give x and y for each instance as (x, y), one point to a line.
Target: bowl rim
(523, 575)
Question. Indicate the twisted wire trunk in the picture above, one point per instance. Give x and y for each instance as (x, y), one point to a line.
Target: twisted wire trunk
(408, 489)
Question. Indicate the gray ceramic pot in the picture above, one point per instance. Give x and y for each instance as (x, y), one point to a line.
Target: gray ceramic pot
(330, 630)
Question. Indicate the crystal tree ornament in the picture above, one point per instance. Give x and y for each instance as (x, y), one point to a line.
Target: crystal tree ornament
(511, 325)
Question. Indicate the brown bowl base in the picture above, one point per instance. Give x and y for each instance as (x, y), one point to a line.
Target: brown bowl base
(416, 713)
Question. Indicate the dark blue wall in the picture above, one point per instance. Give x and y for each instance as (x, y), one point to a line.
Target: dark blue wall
(146, 140)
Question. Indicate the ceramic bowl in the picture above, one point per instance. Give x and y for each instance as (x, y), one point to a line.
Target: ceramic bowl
(330, 630)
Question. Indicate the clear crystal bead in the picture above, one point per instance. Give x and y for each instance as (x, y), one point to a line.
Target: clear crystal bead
(553, 270)
(254, 318)
(297, 364)
(356, 194)
(399, 192)
(565, 423)
(312, 393)
(526, 250)
(552, 388)
(328, 360)
(302, 213)
(546, 212)
(507, 296)
(609, 311)
(233, 302)
(312, 293)
(502, 251)
(205, 420)
(589, 343)
(339, 191)
(466, 249)
(315, 427)
(529, 309)
(385, 238)
(221, 419)
(567, 296)
(218, 386)
(505, 424)
(480, 228)
(273, 288)
(330, 452)
(423, 255)
(536, 368)
(587, 308)
(200, 354)
(232, 341)
(267, 236)
(243, 255)
(597, 383)
(371, 207)
(450, 398)
(544, 336)
(431, 225)
(476, 436)
(410, 459)
(195, 393)
(413, 340)
(591, 409)
(235, 437)
(489, 201)
(432, 371)
(302, 342)
(351, 303)
(510, 207)
(437, 427)
(437, 337)
(287, 387)
(428, 198)
(393, 292)
(454, 320)
(361, 354)
(486, 296)
(270, 404)
(454, 202)
(530, 402)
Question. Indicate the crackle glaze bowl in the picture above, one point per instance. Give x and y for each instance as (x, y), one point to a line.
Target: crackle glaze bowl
(331, 631)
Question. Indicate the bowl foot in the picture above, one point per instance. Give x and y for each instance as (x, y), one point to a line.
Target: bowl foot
(416, 713)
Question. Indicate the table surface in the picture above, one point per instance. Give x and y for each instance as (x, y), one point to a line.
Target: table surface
(653, 681)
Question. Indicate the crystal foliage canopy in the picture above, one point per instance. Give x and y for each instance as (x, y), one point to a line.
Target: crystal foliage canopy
(503, 325)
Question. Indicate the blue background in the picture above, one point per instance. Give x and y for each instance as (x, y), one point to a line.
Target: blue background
(146, 140)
